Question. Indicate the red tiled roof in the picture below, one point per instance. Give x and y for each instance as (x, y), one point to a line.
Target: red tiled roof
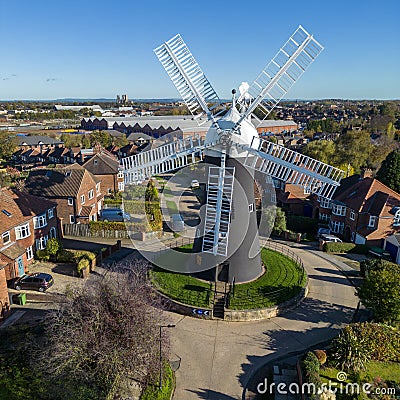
(21, 206)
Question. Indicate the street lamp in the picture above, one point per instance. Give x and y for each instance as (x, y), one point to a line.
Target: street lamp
(161, 328)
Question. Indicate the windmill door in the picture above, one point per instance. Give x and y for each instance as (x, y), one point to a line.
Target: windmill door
(223, 272)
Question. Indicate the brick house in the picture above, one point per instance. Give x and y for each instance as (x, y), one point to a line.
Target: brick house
(26, 224)
(105, 167)
(75, 190)
(363, 211)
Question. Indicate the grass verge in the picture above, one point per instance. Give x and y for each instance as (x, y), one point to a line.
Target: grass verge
(153, 392)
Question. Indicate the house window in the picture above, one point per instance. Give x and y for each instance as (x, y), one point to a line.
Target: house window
(98, 187)
(6, 237)
(41, 242)
(70, 201)
(324, 217)
(91, 194)
(121, 186)
(29, 253)
(336, 226)
(109, 191)
(251, 207)
(352, 215)
(338, 210)
(93, 217)
(83, 199)
(396, 221)
(40, 221)
(95, 162)
(120, 174)
(324, 203)
(372, 221)
(50, 213)
(72, 219)
(53, 232)
(22, 231)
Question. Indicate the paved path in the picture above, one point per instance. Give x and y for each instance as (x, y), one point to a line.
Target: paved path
(218, 357)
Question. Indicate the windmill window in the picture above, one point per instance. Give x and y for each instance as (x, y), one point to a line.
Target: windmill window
(396, 221)
(251, 207)
(372, 221)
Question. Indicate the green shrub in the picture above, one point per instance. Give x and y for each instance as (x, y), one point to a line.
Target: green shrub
(82, 264)
(66, 256)
(53, 247)
(42, 255)
(96, 226)
(321, 356)
(311, 368)
(341, 247)
(351, 349)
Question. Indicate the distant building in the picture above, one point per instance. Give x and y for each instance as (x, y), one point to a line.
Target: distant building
(276, 127)
(95, 107)
(37, 142)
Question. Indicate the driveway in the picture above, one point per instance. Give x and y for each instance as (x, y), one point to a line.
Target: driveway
(218, 358)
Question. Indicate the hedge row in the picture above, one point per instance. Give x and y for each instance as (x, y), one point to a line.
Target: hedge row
(74, 256)
(340, 247)
(96, 226)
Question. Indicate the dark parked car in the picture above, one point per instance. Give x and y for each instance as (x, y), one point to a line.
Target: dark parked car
(38, 281)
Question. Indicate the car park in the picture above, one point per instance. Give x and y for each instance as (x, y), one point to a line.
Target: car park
(38, 281)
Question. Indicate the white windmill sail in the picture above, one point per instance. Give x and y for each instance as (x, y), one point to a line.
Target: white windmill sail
(187, 76)
(275, 80)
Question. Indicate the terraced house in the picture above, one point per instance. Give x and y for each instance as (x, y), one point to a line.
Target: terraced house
(26, 224)
(75, 190)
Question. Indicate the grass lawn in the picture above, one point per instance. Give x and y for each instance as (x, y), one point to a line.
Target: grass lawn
(182, 287)
(387, 371)
(152, 392)
(282, 280)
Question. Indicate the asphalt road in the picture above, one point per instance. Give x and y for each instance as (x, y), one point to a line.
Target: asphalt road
(218, 358)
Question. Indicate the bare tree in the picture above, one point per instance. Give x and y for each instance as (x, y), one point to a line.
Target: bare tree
(106, 331)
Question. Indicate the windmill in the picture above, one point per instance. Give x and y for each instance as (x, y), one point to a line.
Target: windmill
(228, 232)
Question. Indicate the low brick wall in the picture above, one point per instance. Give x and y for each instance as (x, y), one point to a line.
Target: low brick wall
(265, 313)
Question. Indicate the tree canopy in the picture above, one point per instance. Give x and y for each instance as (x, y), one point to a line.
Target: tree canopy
(389, 173)
(8, 145)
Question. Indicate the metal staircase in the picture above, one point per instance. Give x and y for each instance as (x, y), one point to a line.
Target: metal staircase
(218, 208)
(169, 157)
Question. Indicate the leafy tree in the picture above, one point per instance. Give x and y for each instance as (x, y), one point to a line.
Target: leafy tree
(380, 291)
(389, 173)
(322, 150)
(280, 221)
(8, 145)
(104, 333)
(86, 141)
(151, 192)
(275, 217)
(120, 141)
(100, 137)
(355, 146)
(53, 247)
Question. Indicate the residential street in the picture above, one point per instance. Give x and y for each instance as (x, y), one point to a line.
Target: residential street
(218, 358)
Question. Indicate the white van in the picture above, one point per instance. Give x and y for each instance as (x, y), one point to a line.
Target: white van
(330, 238)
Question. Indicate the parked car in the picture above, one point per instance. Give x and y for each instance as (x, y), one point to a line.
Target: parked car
(330, 238)
(177, 223)
(323, 231)
(195, 184)
(37, 281)
(114, 215)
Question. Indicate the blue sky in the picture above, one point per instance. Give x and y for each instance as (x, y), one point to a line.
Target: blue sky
(91, 49)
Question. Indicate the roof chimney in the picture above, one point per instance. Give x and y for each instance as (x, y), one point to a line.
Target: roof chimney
(366, 173)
